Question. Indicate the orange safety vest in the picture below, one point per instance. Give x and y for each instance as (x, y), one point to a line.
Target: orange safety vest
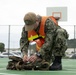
(33, 35)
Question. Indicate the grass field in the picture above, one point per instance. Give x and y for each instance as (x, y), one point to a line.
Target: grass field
(69, 68)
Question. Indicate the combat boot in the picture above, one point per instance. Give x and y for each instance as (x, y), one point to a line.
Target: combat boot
(57, 64)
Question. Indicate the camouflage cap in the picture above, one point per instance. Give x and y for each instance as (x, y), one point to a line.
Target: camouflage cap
(30, 20)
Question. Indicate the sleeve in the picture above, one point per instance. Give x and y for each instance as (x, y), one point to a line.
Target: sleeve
(24, 41)
(50, 28)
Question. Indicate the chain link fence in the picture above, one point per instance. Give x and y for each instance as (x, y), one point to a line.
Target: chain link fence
(10, 34)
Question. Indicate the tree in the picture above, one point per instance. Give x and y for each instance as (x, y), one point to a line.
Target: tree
(2, 47)
(72, 43)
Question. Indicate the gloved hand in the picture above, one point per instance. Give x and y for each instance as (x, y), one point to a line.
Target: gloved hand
(32, 58)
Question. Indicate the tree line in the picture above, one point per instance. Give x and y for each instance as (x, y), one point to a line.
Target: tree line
(72, 43)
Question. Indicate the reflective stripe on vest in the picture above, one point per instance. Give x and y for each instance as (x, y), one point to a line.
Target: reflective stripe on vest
(33, 37)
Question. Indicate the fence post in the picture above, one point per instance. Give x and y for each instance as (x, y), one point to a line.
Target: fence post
(74, 38)
(8, 40)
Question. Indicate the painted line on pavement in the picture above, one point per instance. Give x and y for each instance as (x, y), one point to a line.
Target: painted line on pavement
(8, 74)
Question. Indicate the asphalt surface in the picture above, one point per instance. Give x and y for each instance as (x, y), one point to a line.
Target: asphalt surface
(69, 68)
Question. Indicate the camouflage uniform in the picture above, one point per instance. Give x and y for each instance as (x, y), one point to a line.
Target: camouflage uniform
(55, 40)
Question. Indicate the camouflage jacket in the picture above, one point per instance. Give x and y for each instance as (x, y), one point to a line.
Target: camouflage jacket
(50, 32)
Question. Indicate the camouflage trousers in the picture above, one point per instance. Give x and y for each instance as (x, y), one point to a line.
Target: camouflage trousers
(59, 45)
(60, 42)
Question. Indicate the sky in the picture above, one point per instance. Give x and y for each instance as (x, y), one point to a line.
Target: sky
(12, 13)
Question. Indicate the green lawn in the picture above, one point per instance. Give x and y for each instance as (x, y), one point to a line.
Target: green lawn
(69, 68)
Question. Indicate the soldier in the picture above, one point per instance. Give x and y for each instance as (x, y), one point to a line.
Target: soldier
(51, 39)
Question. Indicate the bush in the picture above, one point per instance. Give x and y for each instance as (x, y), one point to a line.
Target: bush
(2, 47)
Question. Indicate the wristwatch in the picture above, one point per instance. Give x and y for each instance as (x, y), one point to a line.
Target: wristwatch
(39, 55)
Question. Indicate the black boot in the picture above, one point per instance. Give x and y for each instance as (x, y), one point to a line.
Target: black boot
(57, 64)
